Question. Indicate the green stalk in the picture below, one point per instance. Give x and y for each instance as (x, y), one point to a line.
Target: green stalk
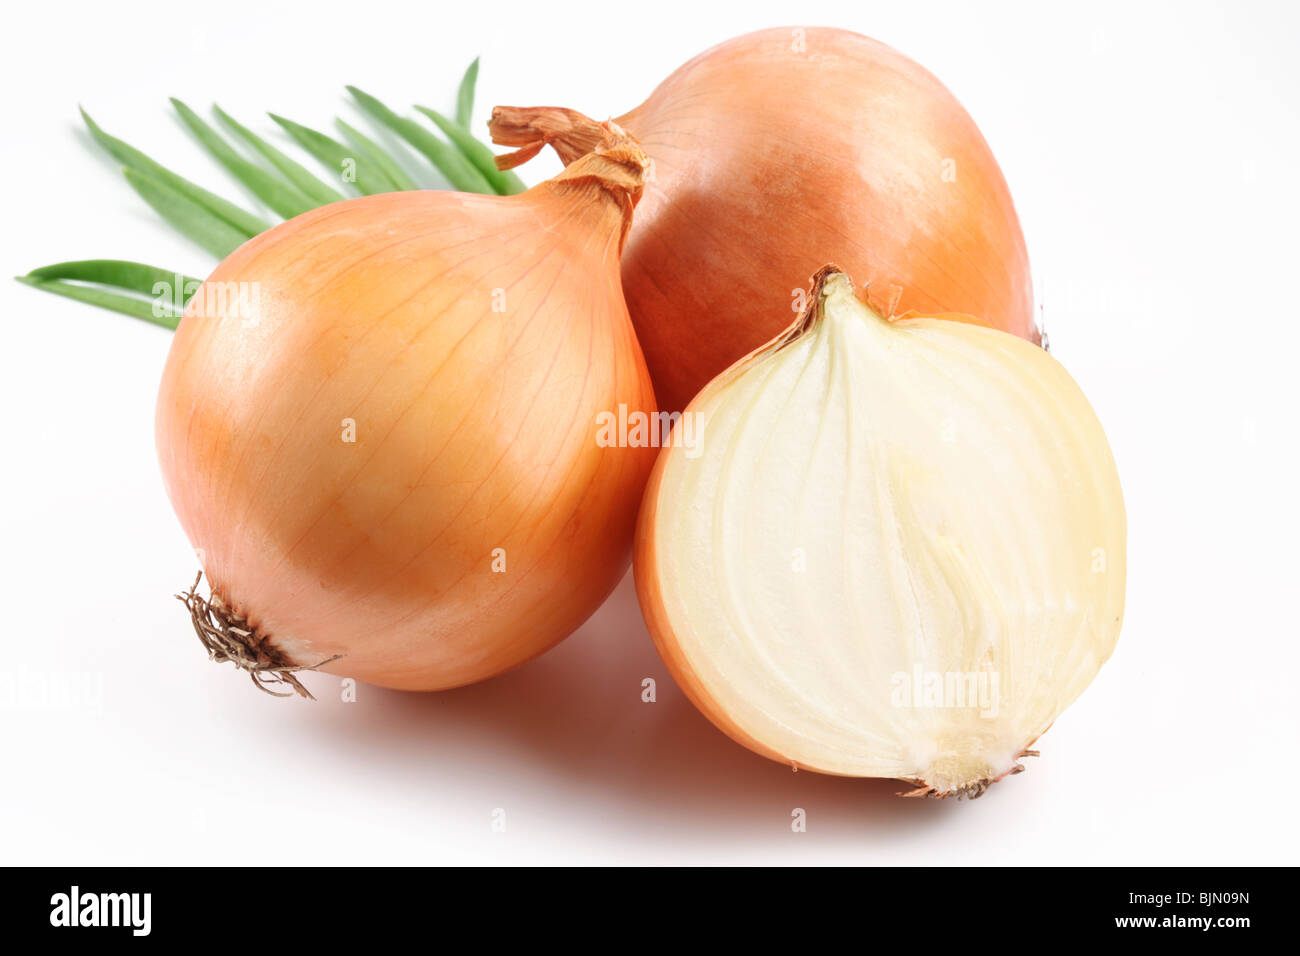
(504, 182)
(336, 156)
(188, 217)
(132, 158)
(447, 160)
(135, 278)
(220, 226)
(292, 170)
(368, 148)
(465, 95)
(284, 197)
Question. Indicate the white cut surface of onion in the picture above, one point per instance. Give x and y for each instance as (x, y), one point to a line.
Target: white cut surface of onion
(875, 509)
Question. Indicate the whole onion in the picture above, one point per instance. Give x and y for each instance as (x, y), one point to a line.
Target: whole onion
(784, 149)
(378, 426)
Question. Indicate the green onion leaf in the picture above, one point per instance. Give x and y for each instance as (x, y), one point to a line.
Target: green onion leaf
(484, 160)
(132, 158)
(285, 198)
(146, 292)
(374, 152)
(336, 156)
(465, 95)
(294, 171)
(448, 161)
(125, 304)
(133, 276)
(139, 280)
(188, 217)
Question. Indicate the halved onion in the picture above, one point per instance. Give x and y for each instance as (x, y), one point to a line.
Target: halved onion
(894, 550)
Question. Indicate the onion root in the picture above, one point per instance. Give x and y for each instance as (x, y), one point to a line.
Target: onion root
(971, 791)
(228, 639)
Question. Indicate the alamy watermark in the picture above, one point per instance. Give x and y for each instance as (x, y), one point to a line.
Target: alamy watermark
(76, 908)
(231, 299)
(51, 690)
(946, 689)
(638, 429)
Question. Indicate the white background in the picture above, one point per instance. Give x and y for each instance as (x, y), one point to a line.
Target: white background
(1154, 156)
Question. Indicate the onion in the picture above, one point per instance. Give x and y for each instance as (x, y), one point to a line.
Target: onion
(378, 421)
(781, 150)
(894, 549)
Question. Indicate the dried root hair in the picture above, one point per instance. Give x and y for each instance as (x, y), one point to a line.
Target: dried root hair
(228, 639)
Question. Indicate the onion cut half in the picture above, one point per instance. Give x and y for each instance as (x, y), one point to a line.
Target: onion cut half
(895, 549)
